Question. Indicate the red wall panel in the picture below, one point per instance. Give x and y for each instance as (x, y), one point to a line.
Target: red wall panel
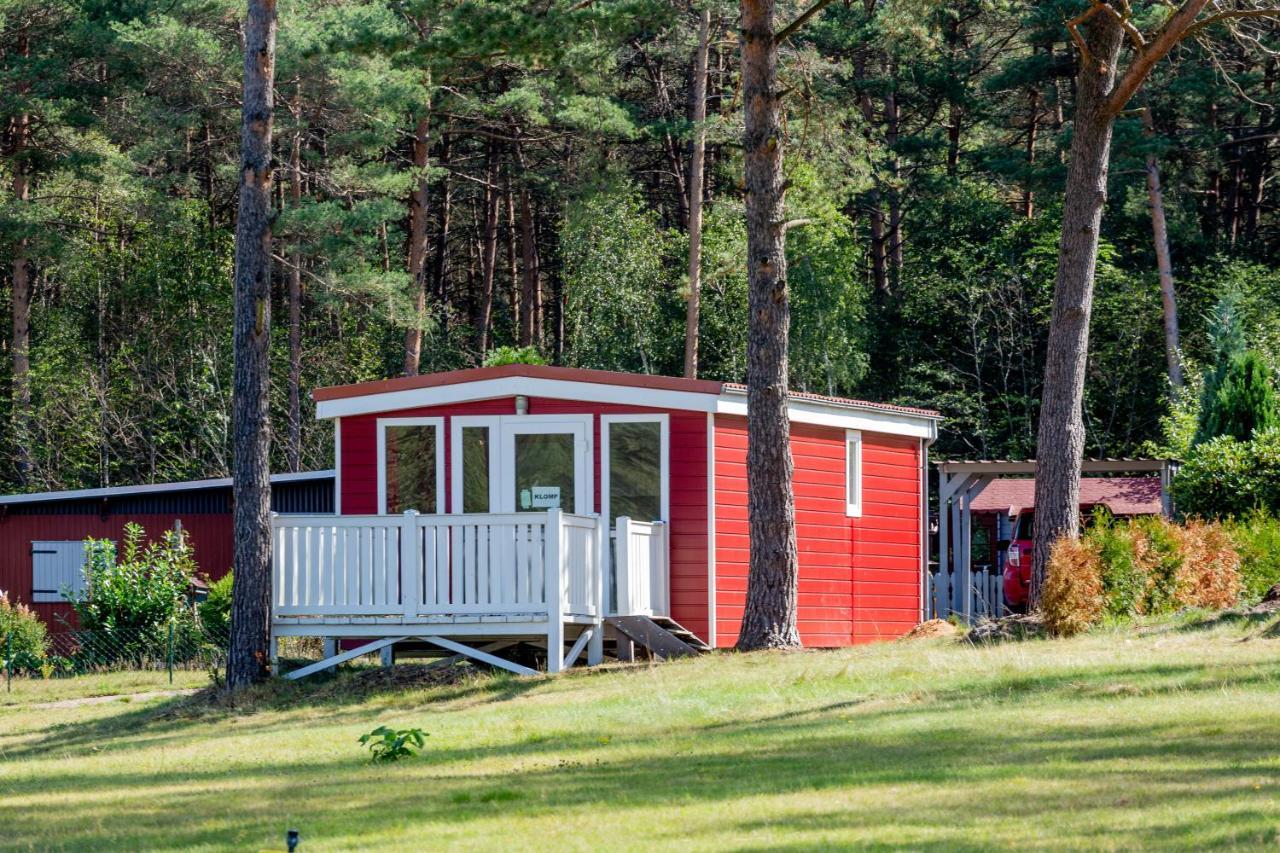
(688, 485)
(209, 534)
(859, 577)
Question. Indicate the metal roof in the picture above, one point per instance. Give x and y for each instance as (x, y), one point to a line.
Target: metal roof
(153, 488)
(1108, 465)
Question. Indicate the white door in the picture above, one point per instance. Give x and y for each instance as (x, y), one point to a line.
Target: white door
(545, 464)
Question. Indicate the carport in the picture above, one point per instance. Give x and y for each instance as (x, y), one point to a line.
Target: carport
(953, 585)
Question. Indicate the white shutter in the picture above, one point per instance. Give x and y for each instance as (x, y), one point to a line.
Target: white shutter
(55, 565)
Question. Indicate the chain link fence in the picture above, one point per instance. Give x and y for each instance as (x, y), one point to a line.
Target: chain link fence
(68, 652)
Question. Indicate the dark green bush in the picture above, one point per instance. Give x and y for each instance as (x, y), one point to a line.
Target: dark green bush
(22, 635)
(1226, 477)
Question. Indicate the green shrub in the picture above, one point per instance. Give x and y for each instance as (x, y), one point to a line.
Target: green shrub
(1123, 580)
(499, 356)
(1226, 477)
(30, 640)
(1257, 539)
(215, 610)
(131, 598)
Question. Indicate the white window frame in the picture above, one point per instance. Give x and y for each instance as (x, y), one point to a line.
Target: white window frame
(853, 473)
(664, 460)
(456, 424)
(383, 423)
(46, 547)
(583, 462)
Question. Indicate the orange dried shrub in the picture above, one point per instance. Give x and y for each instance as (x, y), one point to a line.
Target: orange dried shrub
(1209, 576)
(1072, 599)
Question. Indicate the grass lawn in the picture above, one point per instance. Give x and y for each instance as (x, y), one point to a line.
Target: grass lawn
(1162, 737)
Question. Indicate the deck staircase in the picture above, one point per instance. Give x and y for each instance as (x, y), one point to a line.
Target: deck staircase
(660, 637)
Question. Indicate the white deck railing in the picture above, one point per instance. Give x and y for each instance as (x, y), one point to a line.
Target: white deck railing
(416, 566)
(641, 571)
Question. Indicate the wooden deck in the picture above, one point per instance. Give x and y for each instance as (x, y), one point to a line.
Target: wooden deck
(541, 578)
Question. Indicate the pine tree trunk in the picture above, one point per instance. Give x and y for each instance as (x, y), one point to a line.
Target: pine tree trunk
(440, 267)
(293, 450)
(530, 296)
(488, 250)
(1164, 264)
(699, 117)
(1060, 442)
(769, 620)
(21, 281)
(249, 658)
(418, 246)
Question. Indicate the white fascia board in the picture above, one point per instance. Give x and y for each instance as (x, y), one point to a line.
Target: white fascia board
(153, 488)
(510, 386)
(843, 417)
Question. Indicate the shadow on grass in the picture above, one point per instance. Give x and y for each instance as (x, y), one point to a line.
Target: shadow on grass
(962, 761)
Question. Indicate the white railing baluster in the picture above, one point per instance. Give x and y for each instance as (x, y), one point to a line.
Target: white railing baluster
(410, 564)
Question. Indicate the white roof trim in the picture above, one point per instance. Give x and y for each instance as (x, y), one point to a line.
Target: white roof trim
(850, 415)
(152, 488)
(841, 416)
(510, 386)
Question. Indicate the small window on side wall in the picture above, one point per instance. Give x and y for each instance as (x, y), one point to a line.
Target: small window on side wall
(853, 473)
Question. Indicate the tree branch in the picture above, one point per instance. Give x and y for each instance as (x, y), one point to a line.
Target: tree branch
(1174, 30)
(1229, 15)
(787, 31)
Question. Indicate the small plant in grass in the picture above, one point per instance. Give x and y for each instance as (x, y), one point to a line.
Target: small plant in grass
(388, 744)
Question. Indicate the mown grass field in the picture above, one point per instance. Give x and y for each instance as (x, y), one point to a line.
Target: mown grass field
(1162, 737)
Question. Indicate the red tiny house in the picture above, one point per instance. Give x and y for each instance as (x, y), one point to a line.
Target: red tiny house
(858, 481)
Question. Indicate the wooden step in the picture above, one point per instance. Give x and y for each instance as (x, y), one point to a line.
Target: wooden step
(649, 634)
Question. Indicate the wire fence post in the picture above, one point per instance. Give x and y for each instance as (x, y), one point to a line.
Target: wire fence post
(170, 654)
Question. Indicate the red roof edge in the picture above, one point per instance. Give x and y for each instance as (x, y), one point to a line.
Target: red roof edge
(531, 371)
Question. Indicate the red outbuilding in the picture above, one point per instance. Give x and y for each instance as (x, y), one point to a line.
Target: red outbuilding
(42, 534)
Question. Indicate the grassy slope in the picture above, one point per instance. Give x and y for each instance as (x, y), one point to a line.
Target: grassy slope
(1113, 741)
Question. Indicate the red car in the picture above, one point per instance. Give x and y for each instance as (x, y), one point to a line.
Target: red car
(1017, 562)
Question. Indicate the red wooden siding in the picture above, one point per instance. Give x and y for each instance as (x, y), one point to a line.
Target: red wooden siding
(688, 487)
(859, 577)
(209, 533)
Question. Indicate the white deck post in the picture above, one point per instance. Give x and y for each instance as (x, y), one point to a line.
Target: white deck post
(410, 565)
(622, 566)
(554, 568)
(595, 646)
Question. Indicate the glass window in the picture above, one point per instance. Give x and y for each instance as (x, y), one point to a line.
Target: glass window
(853, 473)
(635, 471)
(544, 475)
(476, 447)
(411, 468)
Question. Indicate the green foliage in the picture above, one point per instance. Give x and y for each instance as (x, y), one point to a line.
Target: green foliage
(1123, 581)
(24, 642)
(133, 596)
(1257, 538)
(215, 610)
(617, 262)
(1228, 477)
(387, 744)
(513, 355)
(1243, 399)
